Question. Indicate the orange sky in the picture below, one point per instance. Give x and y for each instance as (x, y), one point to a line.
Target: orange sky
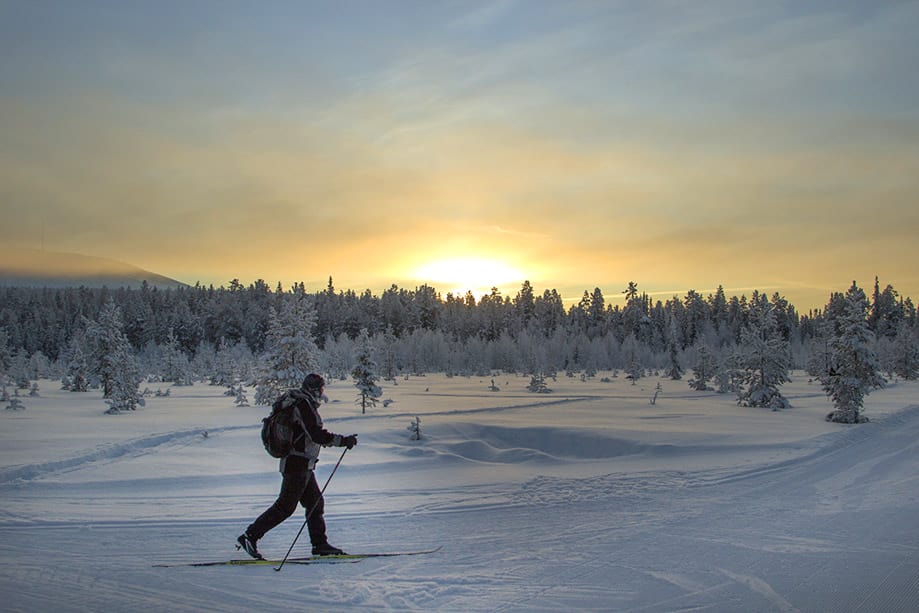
(681, 146)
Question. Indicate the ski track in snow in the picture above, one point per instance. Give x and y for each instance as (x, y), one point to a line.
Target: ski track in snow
(832, 529)
(105, 453)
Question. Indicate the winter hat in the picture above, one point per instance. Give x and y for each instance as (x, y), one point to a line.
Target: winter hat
(313, 382)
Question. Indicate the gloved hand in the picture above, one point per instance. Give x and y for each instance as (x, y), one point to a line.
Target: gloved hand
(349, 441)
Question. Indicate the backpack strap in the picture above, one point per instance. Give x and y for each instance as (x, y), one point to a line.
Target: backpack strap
(291, 399)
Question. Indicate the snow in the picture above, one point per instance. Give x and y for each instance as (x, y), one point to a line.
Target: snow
(588, 498)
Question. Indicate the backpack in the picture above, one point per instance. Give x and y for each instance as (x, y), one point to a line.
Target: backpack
(278, 427)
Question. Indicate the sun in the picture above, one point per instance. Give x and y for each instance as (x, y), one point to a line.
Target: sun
(469, 274)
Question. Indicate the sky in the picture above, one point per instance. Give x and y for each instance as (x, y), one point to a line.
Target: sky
(678, 144)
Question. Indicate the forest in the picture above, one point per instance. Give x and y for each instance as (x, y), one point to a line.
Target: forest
(228, 335)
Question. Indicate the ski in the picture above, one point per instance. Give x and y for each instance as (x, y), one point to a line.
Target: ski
(263, 561)
(333, 559)
(361, 556)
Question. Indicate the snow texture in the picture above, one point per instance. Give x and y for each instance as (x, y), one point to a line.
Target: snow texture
(588, 498)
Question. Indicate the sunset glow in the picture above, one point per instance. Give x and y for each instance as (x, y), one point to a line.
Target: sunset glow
(478, 275)
(680, 145)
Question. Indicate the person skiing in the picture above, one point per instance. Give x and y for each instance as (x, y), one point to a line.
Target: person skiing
(298, 483)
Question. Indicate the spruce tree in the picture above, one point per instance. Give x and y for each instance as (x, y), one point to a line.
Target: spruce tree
(389, 356)
(15, 404)
(229, 363)
(112, 359)
(854, 369)
(538, 385)
(818, 360)
(906, 353)
(175, 366)
(19, 369)
(762, 359)
(77, 366)
(290, 352)
(704, 369)
(5, 356)
(364, 374)
(633, 367)
(124, 394)
(242, 400)
(414, 428)
(39, 366)
(675, 370)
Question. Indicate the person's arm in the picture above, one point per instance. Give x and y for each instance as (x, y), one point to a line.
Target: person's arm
(320, 435)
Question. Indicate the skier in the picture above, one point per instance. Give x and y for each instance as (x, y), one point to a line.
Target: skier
(299, 481)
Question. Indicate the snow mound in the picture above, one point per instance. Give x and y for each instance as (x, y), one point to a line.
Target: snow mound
(509, 445)
(499, 444)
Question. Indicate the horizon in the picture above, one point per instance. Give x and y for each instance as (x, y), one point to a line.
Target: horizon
(612, 295)
(469, 145)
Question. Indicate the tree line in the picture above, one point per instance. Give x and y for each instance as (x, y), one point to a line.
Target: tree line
(237, 333)
(45, 320)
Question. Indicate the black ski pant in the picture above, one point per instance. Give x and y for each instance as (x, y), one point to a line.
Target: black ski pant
(297, 486)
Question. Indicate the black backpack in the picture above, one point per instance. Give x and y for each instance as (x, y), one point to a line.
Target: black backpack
(278, 428)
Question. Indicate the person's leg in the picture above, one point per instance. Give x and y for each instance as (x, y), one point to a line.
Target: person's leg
(292, 490)
(312, 495)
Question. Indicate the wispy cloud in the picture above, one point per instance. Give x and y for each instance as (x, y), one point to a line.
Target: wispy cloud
(677, 144)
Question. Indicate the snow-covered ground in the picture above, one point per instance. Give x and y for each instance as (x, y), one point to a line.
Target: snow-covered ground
(588, 498)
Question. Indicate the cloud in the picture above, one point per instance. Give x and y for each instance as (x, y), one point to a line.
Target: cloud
(649, 141)
(485, 15)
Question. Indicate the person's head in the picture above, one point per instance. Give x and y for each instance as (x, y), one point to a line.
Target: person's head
(313, 384)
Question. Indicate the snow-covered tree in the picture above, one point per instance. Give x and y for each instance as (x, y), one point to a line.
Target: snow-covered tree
(5, 355)
(414, 428)
(19, 369)
(883, 349)
(224, 373)
(202, 363)
(39, 366)
(77, 368)
(854, 368)
(364, 374)
(727, 377)
(633, 367)
(124, 395)
(704, 369)
(232, 363)
(242, 400)
(538, 385)
(15, 404)
(175, 366)
(762, 359)
(885, 312)
(290, 352)
(675, 369)
(817, 363)
(337, 355)
(112, 359)
(388, 348)
(657, 391)
(906, 353)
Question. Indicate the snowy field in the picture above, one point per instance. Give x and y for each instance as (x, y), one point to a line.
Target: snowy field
(588, 498)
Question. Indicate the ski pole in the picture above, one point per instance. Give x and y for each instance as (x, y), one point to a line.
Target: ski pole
(313, 508)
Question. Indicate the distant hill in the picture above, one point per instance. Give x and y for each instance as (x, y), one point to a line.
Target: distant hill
(35, 268)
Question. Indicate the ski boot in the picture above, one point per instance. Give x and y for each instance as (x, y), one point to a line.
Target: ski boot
(325, 549)
(247, 543)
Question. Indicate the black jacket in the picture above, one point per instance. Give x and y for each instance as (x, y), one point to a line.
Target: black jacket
(309, 434)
